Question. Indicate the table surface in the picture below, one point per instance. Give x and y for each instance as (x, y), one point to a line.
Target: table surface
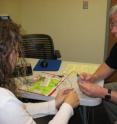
(70, 70)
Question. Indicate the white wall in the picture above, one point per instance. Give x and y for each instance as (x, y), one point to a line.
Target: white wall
(79, 34)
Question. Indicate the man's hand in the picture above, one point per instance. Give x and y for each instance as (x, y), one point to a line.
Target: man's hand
(84, 77)
(92, 89)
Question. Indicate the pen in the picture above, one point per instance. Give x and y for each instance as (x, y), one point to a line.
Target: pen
(60, 76)
(78, 77)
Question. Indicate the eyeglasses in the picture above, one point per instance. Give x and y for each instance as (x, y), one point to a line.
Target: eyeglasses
(112, 25)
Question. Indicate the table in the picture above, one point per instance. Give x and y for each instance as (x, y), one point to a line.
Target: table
(70, 69)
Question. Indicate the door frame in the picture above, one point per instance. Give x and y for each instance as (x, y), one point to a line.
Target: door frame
(107, 30)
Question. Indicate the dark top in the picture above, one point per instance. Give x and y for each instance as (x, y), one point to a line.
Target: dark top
(111, 61)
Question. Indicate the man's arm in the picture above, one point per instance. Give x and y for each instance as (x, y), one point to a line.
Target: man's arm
(95, 90)
(103, 72)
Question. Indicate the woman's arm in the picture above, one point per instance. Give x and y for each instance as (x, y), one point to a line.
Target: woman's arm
(63, 115)
(66, 110)
(41, 109)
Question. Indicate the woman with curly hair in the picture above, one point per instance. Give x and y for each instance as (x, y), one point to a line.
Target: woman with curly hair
(12, 110)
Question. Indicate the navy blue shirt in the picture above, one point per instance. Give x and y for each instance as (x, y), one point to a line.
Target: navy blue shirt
(111, 61)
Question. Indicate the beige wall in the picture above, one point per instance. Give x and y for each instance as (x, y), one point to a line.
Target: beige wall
(79, 34)
(12, 8)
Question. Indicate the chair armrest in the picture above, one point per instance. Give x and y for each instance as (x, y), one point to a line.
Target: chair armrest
(57, 54)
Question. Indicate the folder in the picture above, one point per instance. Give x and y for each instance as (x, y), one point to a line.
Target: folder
(47, 65)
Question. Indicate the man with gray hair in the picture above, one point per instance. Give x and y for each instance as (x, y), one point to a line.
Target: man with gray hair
(109, 92)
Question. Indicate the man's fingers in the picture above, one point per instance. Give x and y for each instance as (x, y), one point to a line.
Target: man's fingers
(68, 90)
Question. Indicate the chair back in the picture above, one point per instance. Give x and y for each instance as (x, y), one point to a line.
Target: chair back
(38, 46)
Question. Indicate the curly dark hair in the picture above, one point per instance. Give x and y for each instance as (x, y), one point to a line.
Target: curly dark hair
(9, 38)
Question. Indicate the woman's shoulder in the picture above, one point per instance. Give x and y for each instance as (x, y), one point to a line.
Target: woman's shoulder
(7, 97)
(5, 91)
(5, 94)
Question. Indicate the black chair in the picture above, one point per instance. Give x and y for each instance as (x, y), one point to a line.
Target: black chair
(38, 46)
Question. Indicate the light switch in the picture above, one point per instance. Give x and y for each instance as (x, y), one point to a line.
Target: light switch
(85, 4)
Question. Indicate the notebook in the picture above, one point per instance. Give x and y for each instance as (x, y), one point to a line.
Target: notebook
(41, 88)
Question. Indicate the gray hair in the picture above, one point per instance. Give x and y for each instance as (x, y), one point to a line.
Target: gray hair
(113, 10)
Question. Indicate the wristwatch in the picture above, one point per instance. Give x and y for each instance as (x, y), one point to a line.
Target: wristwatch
(108, 96)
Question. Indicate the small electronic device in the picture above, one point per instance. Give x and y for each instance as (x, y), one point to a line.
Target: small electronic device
(44, 63)
(22, 70)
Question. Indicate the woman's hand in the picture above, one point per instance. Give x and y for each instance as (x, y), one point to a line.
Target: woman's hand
(72, 99)
(69, 96)
(61, 97)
